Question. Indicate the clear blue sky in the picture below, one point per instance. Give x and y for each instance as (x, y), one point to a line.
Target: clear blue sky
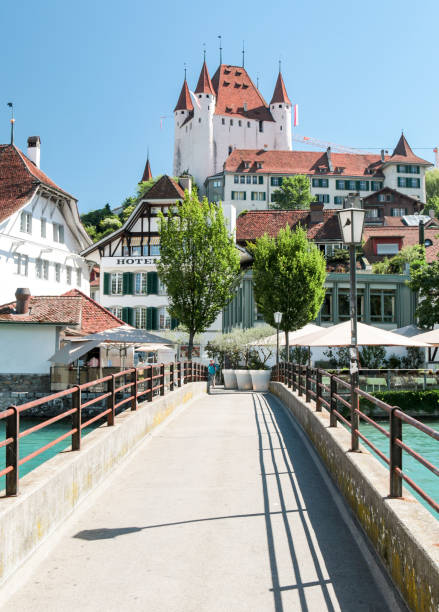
(92, 77)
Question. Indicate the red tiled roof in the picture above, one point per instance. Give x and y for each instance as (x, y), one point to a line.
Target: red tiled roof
(184, 100)
(95, 318)
(147, 174)
(304, 162)
(55, 309)
(403, 196)
(164, 189)
(409, 236)
(256, 223)
(404, 154)
(280, 92)
(204, 83)
(19, 178)
(235, 91)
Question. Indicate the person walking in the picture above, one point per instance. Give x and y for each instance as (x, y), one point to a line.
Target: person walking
(211, 371)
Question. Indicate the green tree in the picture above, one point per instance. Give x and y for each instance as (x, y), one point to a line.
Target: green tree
(432, 190)
(412, 255)
(109, 225)
(288, 276)
(293, 194)
(425, 281)
(199, 263)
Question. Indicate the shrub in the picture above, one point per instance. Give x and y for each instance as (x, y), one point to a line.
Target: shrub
(372, 356)
(409, 401)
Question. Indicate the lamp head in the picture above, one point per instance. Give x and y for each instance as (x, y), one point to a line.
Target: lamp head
(277, 317)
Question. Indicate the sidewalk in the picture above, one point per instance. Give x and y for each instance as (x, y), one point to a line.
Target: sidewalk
(223, 509)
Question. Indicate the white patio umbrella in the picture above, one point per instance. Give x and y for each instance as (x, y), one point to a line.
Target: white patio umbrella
(367, 335)
(431, 337)
(292, 338)
(152, 347)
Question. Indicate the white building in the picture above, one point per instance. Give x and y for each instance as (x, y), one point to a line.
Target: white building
(251, 176)
(129, 284)
(228, 113)
(41, 234)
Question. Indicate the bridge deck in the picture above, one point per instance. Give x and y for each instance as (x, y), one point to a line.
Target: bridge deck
(225, 508)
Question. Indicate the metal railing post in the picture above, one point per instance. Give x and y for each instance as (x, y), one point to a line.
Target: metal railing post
(355, 417)
(389, 380)
(111, 400)
(318, 390)
(290, 366)
(395, 454)
(76, 418)
(294, 378)
(299, 379)
(171, 376)
(150, 383)
(12, 451)
(307, 385)
(332, 401)
(134, 390)
(179, 373)
(162, 379)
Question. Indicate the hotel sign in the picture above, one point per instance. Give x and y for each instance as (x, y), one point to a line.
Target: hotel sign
(130, 261)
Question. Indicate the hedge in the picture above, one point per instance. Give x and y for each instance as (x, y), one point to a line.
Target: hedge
(426, 402)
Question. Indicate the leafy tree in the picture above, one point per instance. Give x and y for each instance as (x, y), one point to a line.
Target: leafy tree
(145, 186)
(372, 356)
(127, 212)
(432, 190)
(288, 276)
(412, 255)
(293, 194)
(109, 225)
(425, 281)
(199, 263)
(94, 217)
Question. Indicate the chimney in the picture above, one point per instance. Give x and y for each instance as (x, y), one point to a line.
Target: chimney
(421, 232)
(23, 298)
(186, 182)
(316, 212)
(328, 156)
(33, 149)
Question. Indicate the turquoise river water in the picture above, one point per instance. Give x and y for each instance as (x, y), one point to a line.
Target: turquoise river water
(421, 443)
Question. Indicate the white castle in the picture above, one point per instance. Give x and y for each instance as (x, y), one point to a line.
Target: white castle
(228, 113)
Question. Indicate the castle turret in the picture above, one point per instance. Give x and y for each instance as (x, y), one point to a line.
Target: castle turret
(280, 107)
(183, 111)
(202, 133)
(147, 174)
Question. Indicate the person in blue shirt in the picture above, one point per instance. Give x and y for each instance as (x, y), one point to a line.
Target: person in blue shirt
(211, 371)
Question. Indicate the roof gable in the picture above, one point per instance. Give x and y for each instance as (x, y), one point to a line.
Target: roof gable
(184, 100)
(204, 84)
(404, 154)
(280, 93)
(164, 189)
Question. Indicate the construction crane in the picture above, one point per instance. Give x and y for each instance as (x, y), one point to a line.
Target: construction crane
(314, 142)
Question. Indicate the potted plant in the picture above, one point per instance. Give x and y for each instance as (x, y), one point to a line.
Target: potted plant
(259, 372)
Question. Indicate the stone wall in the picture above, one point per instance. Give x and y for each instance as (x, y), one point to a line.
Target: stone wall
(21, 388)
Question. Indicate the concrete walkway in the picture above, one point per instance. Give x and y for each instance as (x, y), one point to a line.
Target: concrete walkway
(223, 509)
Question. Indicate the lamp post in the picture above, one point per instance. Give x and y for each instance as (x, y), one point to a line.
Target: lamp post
(351, 220)
(277, 320)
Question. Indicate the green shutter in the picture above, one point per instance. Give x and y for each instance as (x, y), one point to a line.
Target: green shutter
(128, 283)
(155, 318)
(151, 318)
(152, 283)
(174, 323)
(107, 281)
(127, 315)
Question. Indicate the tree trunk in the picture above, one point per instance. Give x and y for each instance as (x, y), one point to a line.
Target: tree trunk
(190, 345)
(287, 345)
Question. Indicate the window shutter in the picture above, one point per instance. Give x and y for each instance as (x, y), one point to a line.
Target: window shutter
(126, 283)
(245, 195)
(174, 323)
(149, 318)
(127, 315)
(152, 283)
(155, 318)
(107, 280)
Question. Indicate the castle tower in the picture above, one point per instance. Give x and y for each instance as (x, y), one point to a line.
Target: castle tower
(183, 111)
(280, 107)
(147, 174)
(202, 136)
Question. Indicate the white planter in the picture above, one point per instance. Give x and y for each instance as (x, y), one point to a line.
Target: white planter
(260, 379)
(230, 379)
(244, 380)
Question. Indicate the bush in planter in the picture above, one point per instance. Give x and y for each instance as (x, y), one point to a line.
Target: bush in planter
(338, 358)
(393, 362)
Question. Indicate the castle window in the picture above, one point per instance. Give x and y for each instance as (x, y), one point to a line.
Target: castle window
(199, 119)
(207, 96)
(272, 106)
(248, 123)
(223, 121)
(240, 123)
(281, 128)
(181, 112)
(276, 181)
(280, 105)
(231, 121)
(338, 199)
(323, 197)
(200, 96)
(261, 126)
(230, 150)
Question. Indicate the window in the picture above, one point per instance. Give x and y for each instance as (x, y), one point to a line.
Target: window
(260, 180)
(45, 269)
(387, 248)
(26, 222)
(238, 195)
(364, 185)
(154, 250)
(382, 305)
(79, 276)
(162, 288)
(320, 182)
(255, 180)
(372, 213)
(219, 183)
(116, 283)
(428, 242)
(164, 318)
(261, 126)
(398, 212)
(140, 285)
(276, 181)
(385, 197)
(248, 179)
(344, 304)
(408, 169)
(340, 184)
(338, 199)
(223, 121)
(231, 121)
(39, 268)
(242, 180)
(140, 317)
(136, 251)
(322, 197)
(58, 232)
(240, 123)
(376, 185)
(116, 311)
(199, 119)
(236, 178)
(58, 272)
(409, 182)
(69, 275)
(248, 123)
(43, 227)
(258, 195)
(326, 311)
(21, 264)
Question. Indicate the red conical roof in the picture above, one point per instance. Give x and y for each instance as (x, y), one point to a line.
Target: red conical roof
(204, 84)
(403, 153)
(147, 174)
(280, 93)
(184, 101)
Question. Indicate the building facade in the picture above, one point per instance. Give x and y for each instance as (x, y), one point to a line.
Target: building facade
(251, 177)
(227, 113)
(41, 234)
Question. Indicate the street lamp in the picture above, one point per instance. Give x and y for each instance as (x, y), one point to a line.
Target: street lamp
(277, 320)
(351, 220)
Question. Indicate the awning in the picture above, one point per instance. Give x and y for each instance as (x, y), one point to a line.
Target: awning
(128, 335)
(72, 351)
(431, 337)
(293, 337)
(151, 348)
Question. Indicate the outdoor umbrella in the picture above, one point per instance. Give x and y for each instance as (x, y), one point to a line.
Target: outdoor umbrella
(128, 335)
(151, 347)
(431, 337)
(292, 338)
(367, 335)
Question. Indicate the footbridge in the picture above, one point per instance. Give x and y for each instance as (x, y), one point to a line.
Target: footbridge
(209, 503)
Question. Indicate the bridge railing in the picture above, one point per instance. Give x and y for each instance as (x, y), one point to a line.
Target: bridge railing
(121, 391)
(329, 391)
